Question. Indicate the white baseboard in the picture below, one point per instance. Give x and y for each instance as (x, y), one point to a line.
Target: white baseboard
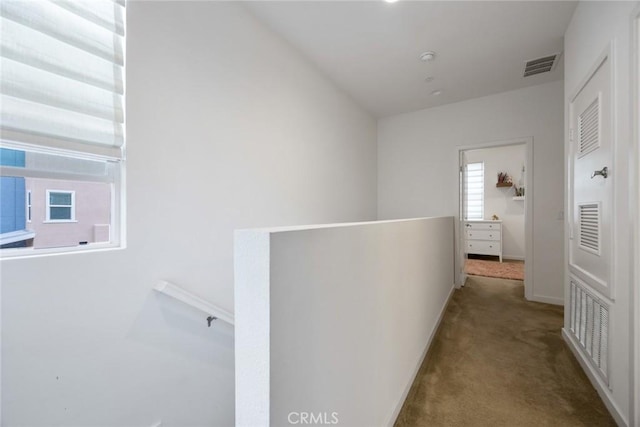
(596, 380)
(514, 257)
(547, 300)
(416, 368)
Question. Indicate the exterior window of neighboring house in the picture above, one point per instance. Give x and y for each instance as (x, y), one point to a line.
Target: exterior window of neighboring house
(28, 205)
(61, 206)
(474, 187)
(62, 125)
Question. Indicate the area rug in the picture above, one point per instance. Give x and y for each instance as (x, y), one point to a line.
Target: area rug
(502, 270)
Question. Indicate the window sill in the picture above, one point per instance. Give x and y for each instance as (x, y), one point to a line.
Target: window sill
(22, 253)
(59, 221)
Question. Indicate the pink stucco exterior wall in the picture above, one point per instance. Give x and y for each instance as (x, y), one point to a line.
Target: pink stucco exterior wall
(92, 208)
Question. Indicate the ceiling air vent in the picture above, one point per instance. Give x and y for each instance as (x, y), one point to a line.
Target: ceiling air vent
(540, 65)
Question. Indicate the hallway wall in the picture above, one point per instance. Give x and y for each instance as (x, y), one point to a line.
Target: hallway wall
(228, 127)
(335, 319)
(418, 164)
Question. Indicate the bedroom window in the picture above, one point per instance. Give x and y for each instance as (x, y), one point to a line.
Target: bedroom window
(475, 190)
(62, 125)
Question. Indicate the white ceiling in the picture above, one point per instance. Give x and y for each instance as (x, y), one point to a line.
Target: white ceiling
(371, 48)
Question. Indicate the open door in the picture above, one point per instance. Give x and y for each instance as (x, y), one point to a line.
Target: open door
(462, 252)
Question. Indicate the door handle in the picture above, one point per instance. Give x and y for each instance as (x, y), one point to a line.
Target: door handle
(604, 173)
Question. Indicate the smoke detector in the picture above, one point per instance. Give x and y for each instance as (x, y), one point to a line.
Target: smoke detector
(427, 56)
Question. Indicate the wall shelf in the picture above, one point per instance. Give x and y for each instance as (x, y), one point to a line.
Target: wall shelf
(194, 301)
(518, 198)
(504, 184)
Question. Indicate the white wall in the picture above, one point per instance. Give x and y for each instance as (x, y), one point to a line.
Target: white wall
(593, 27)
(227, 127)
(499, 200)
(335, 320)
(417, 165)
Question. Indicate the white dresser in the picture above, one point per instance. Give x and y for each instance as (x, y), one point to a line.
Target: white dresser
(484, 237)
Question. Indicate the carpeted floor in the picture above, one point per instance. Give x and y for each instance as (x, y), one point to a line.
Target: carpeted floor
(499, 360)
(508, 269)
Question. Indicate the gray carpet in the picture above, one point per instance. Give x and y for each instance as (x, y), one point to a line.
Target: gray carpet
(499, 360)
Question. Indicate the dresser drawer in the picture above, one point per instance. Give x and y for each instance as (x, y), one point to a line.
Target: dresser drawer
(483, 235)
(483, 247)
(483, 226)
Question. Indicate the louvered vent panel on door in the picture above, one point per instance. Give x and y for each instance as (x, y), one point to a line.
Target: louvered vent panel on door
(589, 324)
(590, 227)
(589, 128)
(604, 334)
(572, 307)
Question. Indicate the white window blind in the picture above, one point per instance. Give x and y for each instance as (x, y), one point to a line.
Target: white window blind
(62, 69)
(475, 190)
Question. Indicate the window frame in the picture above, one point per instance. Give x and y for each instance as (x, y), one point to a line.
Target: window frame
(48, 193)
(28, 212)
(115, 176)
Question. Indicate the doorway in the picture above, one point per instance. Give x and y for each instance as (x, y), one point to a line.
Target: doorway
(494, 233)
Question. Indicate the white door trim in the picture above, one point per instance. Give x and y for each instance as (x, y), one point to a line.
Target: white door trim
(528, 211)
(634, 175)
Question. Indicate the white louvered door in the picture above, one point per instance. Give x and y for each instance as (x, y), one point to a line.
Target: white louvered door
(591, 179)
(591, 184)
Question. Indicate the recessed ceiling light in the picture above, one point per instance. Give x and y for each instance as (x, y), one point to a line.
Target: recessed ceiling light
(436, 92)
(391, 1)
(429, 79)
(427, 56)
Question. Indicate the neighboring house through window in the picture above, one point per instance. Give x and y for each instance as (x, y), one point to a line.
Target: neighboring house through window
(474, 187)
(13, 230)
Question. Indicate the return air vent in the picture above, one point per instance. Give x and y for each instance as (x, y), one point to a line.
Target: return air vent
(589, 128)
(589, 325)
(540, 65)
(590, 227)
